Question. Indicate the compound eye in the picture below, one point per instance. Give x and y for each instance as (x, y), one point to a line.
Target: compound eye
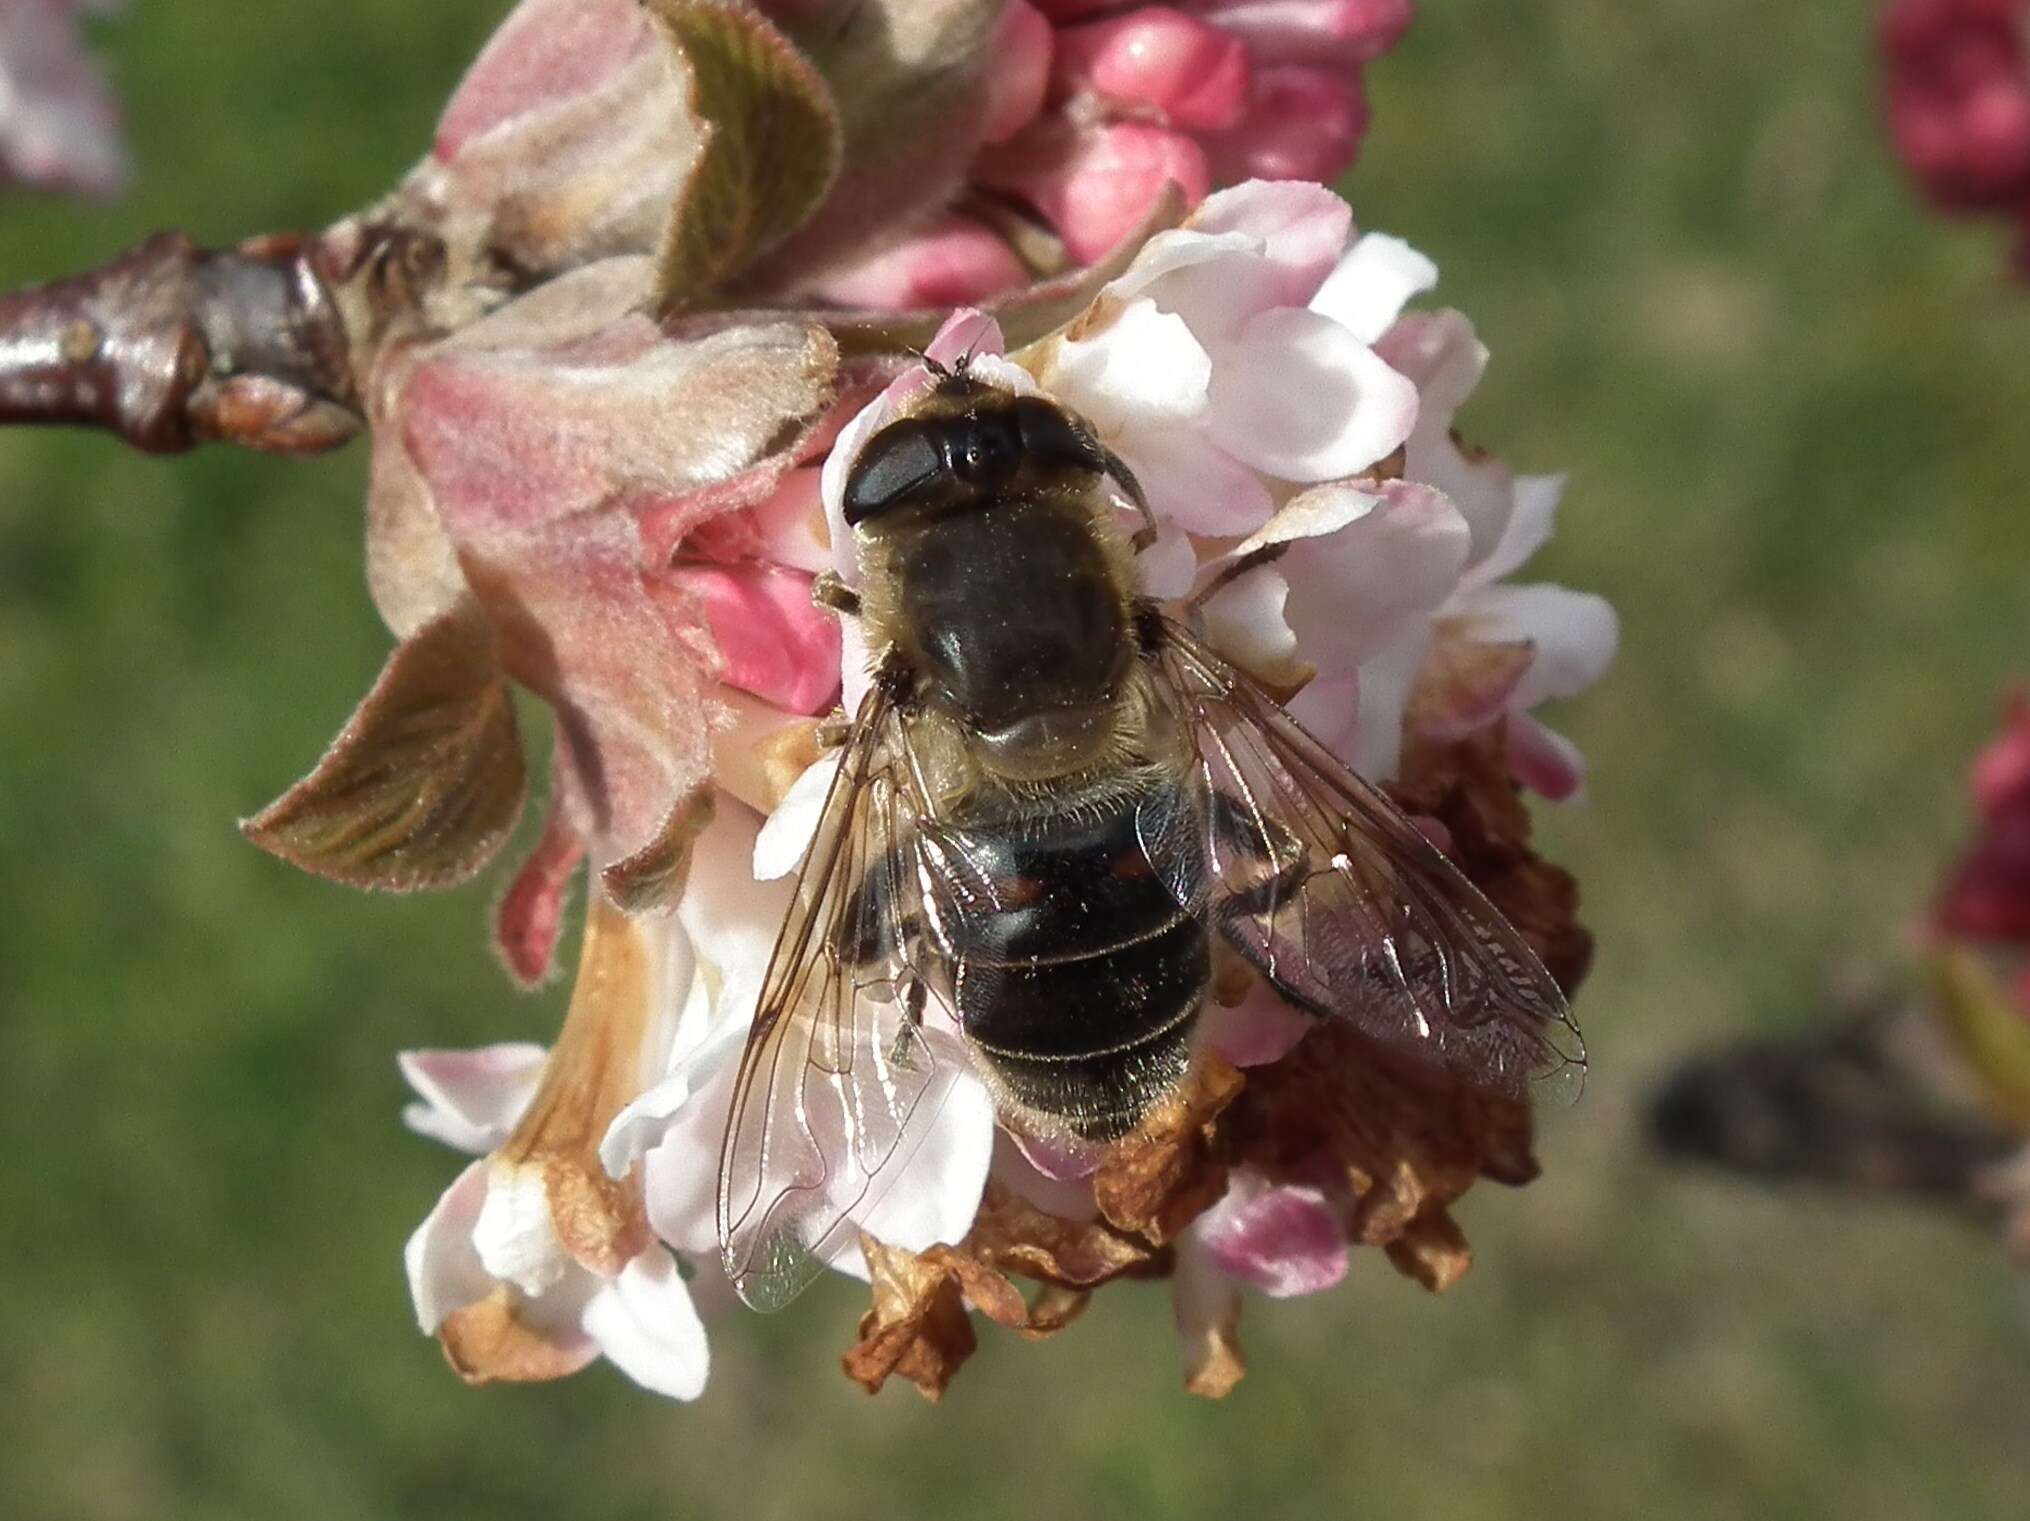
(985, 448)
(897, 464)
(1049, 435)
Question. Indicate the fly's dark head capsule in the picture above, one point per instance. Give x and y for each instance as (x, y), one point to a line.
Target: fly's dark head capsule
(970, 441)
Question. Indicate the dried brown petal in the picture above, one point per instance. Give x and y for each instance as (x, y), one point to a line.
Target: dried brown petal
(1433, 1251)
(1464, 685)
(488, 1342)
(595, 1069)
(1157, 1180)
(1014, 1236)
(919, 1327)
(1400, 1139)
(1465, 784)
(426, 780)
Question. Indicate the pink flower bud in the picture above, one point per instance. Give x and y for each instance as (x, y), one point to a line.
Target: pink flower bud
(2001, 776)
(1313, 31)
(1305, 124)
(547, 52)
(1157, 60)
(1021, 71)
(1096, 187)
(954, 262)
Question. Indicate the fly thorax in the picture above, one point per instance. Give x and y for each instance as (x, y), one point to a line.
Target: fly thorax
(1011, 616)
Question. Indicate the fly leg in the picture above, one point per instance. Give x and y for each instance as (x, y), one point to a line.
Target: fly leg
(834, 595)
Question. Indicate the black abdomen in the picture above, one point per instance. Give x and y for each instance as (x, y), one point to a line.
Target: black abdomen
(1076, 974)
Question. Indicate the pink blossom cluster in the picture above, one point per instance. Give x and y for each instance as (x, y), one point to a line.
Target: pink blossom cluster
(1257, 368)
(59, 126)
(1094, 108)
(1958, 90)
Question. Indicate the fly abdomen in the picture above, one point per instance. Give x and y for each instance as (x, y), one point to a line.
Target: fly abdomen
(1076, 974)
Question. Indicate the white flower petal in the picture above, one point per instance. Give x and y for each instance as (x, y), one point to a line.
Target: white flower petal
(1311, 514)
(779, 847)
(937, 1192)
(1372, 284)
(732, 918)
(1195, 484)
(1354, 593)
(1215, 282)
(445, 1273)
(1385, 683)
(1176, 252)
(1330, 708)
(1440, 352)
(1244, 621)
(856, 665)
(1144, 368)
(790, 522)
(1068, 1198)
(646, 1123)
(966, 334)
(471, 1099)
(1529, 528)
(1299, 397)
(515, 1234)
(680, 1175)
(1303, 229)
(648, 1328)
(1169, 566)
(1575, 634)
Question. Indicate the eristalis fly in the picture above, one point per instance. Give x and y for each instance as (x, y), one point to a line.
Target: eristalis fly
(1054, 801)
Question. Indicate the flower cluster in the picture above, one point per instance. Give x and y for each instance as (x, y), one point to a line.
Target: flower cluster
(1094, 109)
(1959, 104)
(618, 339)
(1256, 369)
(59, 127)
(1980, 948)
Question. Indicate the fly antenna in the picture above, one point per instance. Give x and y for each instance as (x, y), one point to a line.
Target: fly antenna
(936, 367)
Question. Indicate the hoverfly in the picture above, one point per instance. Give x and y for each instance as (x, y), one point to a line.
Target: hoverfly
(1051, 803)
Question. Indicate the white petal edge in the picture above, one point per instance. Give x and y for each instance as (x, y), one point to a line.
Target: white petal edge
(1575, 633)
(471, 1099)
(1144, 368)
(1299, 397)
(444, 1271)
(647, 1327)
(937, 1194)
(1373, 283)
(779, 847)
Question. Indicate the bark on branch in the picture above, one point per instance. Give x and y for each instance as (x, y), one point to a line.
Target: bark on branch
(171, 345)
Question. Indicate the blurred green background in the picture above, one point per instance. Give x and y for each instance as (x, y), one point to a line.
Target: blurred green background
(1792, 406)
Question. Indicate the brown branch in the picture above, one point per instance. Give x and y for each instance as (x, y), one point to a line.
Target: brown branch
(171, 345)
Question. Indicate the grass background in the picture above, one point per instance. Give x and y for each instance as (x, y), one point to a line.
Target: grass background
(1793, 411)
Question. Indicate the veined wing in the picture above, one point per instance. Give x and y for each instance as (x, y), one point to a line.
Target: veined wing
(1338, 899)
(838, 1084)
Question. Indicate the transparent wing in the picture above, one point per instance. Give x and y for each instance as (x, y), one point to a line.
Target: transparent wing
(1338, 899)
(837, 1085)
